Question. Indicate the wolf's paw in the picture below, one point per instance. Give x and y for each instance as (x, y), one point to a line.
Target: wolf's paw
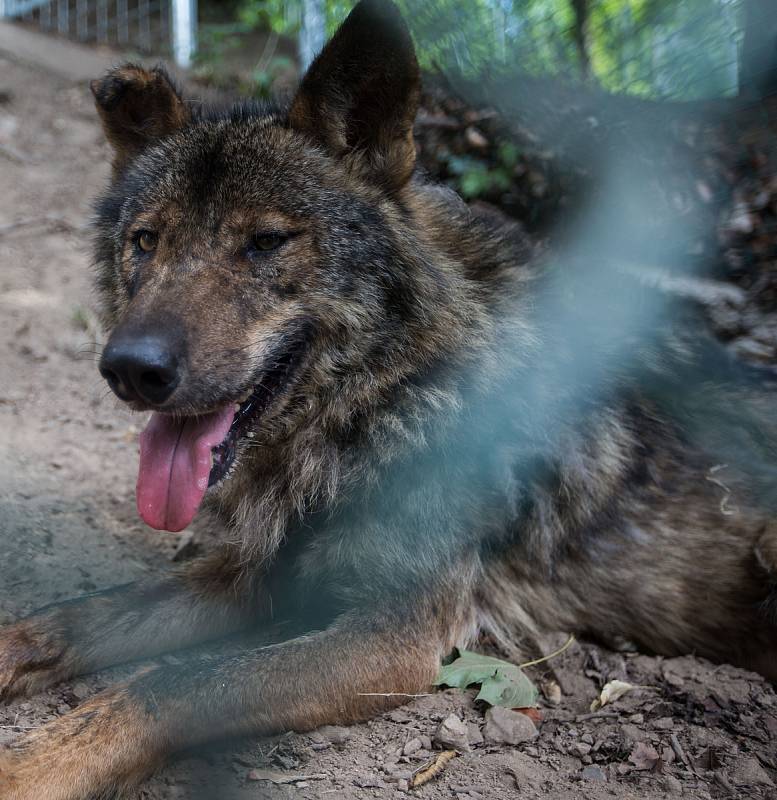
(31, 658)
(105, 748)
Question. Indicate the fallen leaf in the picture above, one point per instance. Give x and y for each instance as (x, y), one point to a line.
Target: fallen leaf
(610, 693)
(534, 714)
(501, 683)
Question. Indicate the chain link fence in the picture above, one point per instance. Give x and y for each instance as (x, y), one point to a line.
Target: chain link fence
(660, 49)
(164, 27)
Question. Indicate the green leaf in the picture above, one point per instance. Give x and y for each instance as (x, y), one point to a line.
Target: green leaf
(501, 683)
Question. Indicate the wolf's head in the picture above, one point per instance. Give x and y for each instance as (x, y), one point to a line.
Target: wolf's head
(251, 258)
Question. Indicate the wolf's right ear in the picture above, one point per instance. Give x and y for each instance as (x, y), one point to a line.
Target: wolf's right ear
(137, 106)
(361, 94)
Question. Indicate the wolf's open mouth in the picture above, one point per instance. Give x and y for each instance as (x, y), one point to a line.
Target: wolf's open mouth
(273, 382)
(180, 457)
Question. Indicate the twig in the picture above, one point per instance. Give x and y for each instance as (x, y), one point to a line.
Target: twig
(548, 657)
(392, 694)
(597, 715)
(724, 506)
(680, 753)
(426, 773)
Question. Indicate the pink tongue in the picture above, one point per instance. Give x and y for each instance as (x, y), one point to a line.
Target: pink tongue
(175, 462)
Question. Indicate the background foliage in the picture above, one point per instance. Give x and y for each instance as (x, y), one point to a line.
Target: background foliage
(685, 49)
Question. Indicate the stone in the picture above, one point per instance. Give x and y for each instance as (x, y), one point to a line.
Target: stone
(474, 735)
(632, 734)
(748, 772)
(671, 786)
(594, 773)
(452, 734)
(508, 727)
(334, 734)
(412, 746)
(579, 749)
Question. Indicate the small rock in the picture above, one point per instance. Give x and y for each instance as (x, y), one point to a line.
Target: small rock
(594, 773)
(632, 734)
(474, 736)
(663, 724)
(508, 727)
(335, 734)
(452, 734)
(80, 691)
(747, 771)
(644, 756)
(412, 746)
(403, 785)
(671, 786)
(637, 719)
(369, 782)
(426, 742)
(587, 738)
(401, 774)
(580, 749)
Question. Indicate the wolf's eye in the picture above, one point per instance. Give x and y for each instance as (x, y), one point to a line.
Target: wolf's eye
(268, 241)
(146, 241)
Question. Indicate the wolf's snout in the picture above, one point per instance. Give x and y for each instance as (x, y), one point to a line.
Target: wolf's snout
(143, 367)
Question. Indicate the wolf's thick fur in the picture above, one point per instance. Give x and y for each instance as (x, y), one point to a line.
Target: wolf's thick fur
(440, 463)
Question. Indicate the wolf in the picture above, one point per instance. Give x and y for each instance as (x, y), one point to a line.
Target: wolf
(368, 383)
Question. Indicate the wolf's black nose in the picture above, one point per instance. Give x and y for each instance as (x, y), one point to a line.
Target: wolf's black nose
(141, 367)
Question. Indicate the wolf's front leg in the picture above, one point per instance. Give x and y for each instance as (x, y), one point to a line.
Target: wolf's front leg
(211, 597)
(118, 737)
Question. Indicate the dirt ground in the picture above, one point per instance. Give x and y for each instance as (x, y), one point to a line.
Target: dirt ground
(68, 525)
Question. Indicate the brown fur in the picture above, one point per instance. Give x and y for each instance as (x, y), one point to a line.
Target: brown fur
(430, 472)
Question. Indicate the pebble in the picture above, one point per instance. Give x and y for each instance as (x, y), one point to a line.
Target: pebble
(403, 785)
(671, 786)
(80, 691)
(412, 746)
(632, 734)
(663, 724)
(508, 727)
(580, 749)
(594, 773)
(474, 736)
(334, 734)
(452, 734)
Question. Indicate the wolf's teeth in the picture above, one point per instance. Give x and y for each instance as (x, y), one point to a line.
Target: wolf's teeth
(237, 406)
(250, 434)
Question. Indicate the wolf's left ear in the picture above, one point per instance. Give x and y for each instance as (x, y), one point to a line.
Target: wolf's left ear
(361, 93)
(137, 106)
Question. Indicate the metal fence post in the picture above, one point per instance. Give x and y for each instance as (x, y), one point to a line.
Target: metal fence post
(312, 34)
(184, 31)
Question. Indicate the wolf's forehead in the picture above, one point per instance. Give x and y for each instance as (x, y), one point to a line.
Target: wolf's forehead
(230, 160)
